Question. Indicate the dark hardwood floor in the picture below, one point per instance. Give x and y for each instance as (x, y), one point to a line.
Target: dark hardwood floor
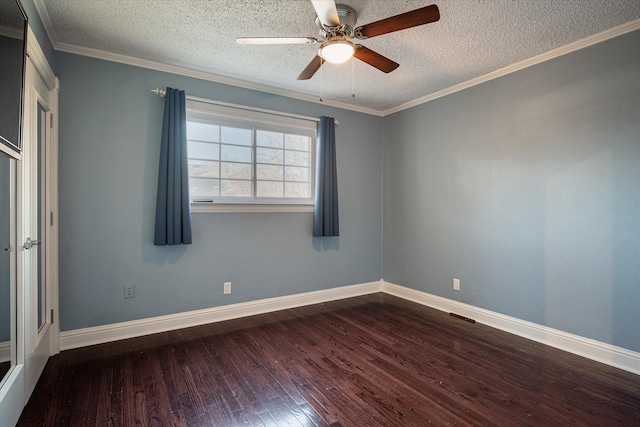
(369, 361)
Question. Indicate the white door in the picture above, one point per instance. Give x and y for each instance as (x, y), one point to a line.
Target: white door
(37, 226)
(33, 247)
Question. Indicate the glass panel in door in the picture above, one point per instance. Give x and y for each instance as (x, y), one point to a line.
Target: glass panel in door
(40, 227)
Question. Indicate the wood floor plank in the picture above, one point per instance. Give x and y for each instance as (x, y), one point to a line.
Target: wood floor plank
(103, 407)
(116, 394)
(375, 360)
(269, 373)
(349, 374)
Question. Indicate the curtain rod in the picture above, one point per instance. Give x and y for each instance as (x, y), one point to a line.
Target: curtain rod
(161, 93)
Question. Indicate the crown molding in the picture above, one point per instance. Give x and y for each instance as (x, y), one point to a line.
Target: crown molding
(202, 75)
(41, 8)
(555, 53)
(207, 76)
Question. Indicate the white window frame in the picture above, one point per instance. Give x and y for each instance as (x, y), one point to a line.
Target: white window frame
(265, 121)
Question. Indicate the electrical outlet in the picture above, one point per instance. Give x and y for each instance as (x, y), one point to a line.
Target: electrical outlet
(129, 290)
(456, 284)
(227, 287)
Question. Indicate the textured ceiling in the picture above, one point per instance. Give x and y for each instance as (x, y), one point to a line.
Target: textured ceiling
(472, 38)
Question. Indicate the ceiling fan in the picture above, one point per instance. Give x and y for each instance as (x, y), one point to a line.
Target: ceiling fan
(338, 29)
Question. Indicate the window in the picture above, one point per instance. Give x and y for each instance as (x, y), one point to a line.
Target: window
(239, 157)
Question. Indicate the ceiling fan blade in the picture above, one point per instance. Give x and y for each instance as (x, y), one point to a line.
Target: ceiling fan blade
(403, 21)
(327, 12)
(311, 69)
(374, 59)
(276, 40)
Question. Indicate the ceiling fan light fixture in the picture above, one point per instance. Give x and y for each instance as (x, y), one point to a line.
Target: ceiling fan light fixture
(337, 51)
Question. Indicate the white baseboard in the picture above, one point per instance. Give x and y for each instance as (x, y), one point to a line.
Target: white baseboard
(591, 349)
(135, 328)
(5, 352)
(601, 352)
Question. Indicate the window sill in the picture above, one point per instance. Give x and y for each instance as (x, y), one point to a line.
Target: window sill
(197, 208)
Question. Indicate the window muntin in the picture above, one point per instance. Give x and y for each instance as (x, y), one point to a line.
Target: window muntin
(246, 157)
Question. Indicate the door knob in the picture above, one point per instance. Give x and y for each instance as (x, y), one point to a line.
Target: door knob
(30, 243)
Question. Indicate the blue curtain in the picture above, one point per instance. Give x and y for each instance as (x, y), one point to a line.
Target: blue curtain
(325, 216)
(173, 211)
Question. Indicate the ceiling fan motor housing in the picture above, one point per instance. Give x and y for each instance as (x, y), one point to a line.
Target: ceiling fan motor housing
(337, 24)
(348, 18)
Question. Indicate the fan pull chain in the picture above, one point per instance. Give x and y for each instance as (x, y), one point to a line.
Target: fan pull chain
(353, 93)
(321, 74)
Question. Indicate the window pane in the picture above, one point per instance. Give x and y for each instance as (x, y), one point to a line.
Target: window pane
(269, 189)
(236, 154)
(236, 170)
(235, 188)
(297, 142)
(297, 158)
(269, 139)
(203, 131)
(297, 190)
(236, 136)
(274, 173)
(202, 150)
(268, 155)
(203, 169)
(296, 174)
(203, 188)
(240, 157)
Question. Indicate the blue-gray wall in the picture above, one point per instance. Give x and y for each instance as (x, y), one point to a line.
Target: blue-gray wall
(524, 187)
(527, 189)
(109, 138)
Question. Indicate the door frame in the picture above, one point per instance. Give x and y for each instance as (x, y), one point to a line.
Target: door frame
(36, 57)
(15, 393)
(36, 263)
